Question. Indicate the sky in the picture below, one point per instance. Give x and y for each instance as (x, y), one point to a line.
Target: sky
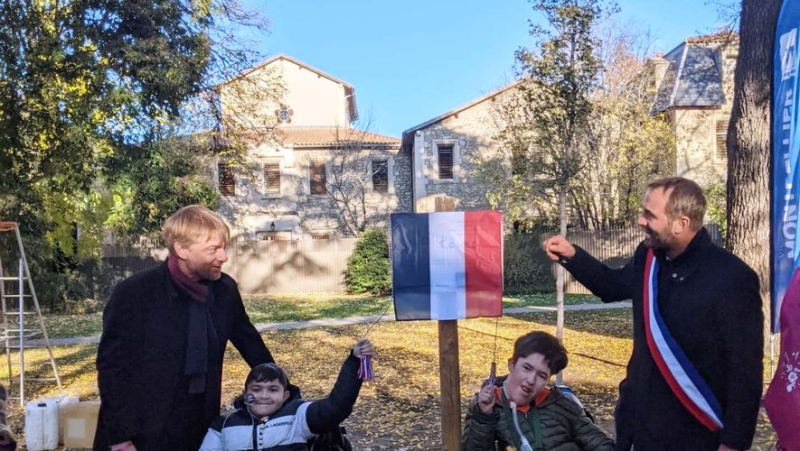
(412, 60)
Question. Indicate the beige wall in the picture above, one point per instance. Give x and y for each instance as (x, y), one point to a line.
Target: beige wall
(470, 131)
(695, 141)
(315, 100)
(295, 210)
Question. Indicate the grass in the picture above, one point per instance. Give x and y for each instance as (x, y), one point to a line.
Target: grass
(405, 393)
(275, 308)
(546, 300)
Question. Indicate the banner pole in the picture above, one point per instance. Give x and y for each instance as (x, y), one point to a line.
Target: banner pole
(771, 356)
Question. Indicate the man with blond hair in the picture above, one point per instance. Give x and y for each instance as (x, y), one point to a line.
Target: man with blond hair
(159, 363)
(694, 378)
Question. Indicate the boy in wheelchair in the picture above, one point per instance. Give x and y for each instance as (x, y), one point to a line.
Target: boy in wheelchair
(272, 416)
(520, 410)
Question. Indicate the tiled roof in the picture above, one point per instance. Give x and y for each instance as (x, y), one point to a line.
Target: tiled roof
(718, 37)
(330, 136)
(693, 77)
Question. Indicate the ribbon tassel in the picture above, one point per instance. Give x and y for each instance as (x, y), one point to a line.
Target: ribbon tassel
(365, 368)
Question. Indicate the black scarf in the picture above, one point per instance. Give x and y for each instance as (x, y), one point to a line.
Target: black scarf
(201, 330)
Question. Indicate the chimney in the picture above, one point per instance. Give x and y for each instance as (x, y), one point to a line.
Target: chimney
(659, 67)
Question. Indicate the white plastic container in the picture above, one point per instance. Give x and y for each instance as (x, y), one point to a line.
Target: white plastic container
(41, 424)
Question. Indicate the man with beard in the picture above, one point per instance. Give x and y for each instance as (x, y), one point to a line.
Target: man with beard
(159, 363)
(694, 378)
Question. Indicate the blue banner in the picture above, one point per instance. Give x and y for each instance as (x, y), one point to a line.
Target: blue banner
(786, 150)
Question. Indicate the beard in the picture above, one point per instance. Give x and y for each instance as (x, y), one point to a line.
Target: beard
(661, 241)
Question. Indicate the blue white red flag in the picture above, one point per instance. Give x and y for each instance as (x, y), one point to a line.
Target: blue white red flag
(447, 265)
(681, 376)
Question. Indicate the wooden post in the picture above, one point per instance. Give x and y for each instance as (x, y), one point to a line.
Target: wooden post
(450, 383)
(449, 373)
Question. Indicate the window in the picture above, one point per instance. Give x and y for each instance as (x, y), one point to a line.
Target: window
(317, 178)
(272, 178)
(321, 235)
(283, 235)
(445, 154)
(722, 140)
(380, 176)
(226, 180)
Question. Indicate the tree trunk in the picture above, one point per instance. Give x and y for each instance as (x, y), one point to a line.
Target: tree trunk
(562, 213)
(749, 144)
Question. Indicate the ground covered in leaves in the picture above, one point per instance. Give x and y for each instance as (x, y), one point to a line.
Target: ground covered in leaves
(400, 409)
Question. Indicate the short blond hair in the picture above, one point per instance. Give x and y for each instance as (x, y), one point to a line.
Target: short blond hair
(192, 223)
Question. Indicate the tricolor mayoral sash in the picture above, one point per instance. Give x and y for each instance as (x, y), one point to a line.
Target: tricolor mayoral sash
(681, 376)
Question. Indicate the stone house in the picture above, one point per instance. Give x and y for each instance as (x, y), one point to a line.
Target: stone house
(694, 83)
(308, 172)
(445, 151)
(694, 86)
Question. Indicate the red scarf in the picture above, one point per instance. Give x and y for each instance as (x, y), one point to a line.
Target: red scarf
(195, 289)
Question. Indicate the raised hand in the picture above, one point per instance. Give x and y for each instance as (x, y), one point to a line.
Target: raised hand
(558, 248)
(486, 398)
(363, 347)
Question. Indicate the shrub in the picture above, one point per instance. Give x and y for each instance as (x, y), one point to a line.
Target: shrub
(526, 268)
(368, 268)
(716, 209)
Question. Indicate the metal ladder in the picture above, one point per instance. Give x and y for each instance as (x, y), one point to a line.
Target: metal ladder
(14, 332)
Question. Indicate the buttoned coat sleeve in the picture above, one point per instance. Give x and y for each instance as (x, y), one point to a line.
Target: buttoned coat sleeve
(243, 333)
(326, 414)
(609, 284)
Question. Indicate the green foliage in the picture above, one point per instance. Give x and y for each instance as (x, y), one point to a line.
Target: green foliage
(560, 73)
(544, 122)
(174, 174)
(630, 146)
(578, 123)
(86, 88)
(716, 205)
(526, 268)
(368, 268)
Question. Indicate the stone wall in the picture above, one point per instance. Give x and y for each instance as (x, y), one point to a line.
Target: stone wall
(470, 131)
(295, 212)
(695, 141)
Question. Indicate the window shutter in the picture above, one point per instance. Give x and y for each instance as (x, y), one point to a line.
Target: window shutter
(722, 139)
(445, 162)
(317, 175)
(226, 180)
(380, 176)
(272, 178)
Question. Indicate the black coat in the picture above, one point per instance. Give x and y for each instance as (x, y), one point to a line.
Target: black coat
(710, 301)
(140, 360)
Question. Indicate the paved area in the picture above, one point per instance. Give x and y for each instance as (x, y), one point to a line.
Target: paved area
(290, 325)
